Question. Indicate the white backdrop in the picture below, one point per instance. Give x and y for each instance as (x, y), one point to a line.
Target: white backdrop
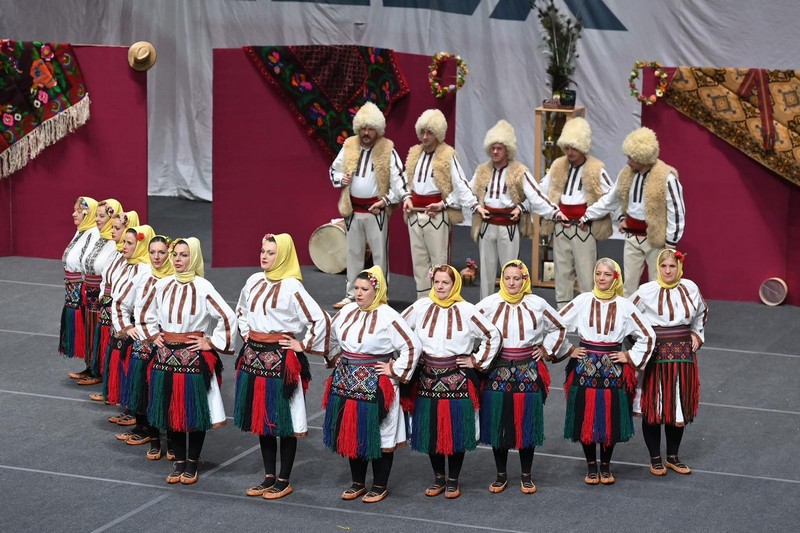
(507, 78)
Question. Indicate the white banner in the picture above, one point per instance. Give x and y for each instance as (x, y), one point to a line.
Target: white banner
(499, 39)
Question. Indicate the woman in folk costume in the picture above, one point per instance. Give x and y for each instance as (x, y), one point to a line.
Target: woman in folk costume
(128, 318)
(123, 281)
(669, 390)
(445, 390)
(601, 378)
(363, 421)
(100, 253)
(186, 371)
(72, 338)
(272, 372)
(517, 385)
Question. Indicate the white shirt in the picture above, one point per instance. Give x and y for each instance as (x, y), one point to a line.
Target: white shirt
(283, 306)
(682, 305)
(378, 332)
(99, 253)
(425, 184)
(573, 190)
(455, 330)
(71, 259)
(608, 321)
(363, 183)
(524, 325)
(194, 306)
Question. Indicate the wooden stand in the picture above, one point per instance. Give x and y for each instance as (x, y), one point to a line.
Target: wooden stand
(546, 119)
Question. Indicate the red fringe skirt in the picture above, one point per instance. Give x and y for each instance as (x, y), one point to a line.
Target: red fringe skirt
(671, 379)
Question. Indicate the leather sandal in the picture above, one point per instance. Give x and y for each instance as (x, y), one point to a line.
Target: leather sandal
(499, 484)
(188, 478)
(261, 488)
(177, 472)
(97, 397)
(356, 490)
(136, 439)
(90, 380)
(124, 436)
(437, 487)
(115, 418)
(657, 467)
(673, 463)
(274, 493)
(126, 420)
(451, 490)
(170, 455)
(592, 477)
(375, 494)
(154, 453)
(606, 477)
(85, 373)
(526, 484)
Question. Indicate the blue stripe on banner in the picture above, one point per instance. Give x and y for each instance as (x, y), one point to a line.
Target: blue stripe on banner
(458, 7)
(595, 15)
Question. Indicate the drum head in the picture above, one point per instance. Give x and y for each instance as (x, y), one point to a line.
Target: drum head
(328, 248)
(773, 291)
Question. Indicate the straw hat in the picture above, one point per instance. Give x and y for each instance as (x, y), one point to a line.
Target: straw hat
(141, 56)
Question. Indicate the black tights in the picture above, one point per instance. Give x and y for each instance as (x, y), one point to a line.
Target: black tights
(269, 452)
(590, 451)
(652, 438)
(525, 459)
(381, 468)
(454, 463)
(178, 441)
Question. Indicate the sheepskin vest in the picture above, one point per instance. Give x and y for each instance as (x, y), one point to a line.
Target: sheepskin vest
(381, 159)
(514, 176)
(442, 158)
(655, 199)
(592, 190)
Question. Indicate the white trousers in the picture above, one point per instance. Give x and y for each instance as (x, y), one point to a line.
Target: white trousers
(430, 245)
(366, 228)
(497, 246)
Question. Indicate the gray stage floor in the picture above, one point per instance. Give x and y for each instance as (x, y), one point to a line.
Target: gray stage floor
(62, 470)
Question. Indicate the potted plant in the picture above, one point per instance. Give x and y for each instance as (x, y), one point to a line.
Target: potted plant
(560, 34)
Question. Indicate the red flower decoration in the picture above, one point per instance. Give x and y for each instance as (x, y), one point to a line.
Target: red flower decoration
(268, 236)
(680, 256)
(140, 236)
(616, 275)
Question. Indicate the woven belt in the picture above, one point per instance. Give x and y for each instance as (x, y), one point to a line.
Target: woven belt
(268, 338)
(181, 337)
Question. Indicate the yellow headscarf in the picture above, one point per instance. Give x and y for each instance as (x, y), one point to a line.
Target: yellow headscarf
(455, 292)
(379, 282)
(196, 266)
(89, 209)
(679, 257)
(141, 254)
(514, 299)
(286, 264)
(167, 268)
(129, 220)
(112, 207)
(616, 287)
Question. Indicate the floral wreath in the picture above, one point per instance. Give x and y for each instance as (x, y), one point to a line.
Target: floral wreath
(659, 73)
(439, 90)
(109, 211)
(432, 270)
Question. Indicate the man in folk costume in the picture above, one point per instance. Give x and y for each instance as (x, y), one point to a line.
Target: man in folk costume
(648, 201)
(370, 173)
(574, 182)
(506, 189)
(439, 190)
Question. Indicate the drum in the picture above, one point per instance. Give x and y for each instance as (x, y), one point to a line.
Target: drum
(328, 247)
(773, 291)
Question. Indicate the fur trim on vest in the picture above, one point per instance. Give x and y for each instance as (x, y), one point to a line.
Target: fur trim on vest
(441, 174)
(655, 199)
(381, 160)
(592, 190)
(514, 175)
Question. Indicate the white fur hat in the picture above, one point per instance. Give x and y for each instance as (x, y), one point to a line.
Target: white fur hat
(577, 134)
(432, 120)
(369, 116)
(501, 133)
(642, 146)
